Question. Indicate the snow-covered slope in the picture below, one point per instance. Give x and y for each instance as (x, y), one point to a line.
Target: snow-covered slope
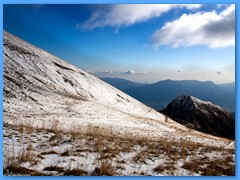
(43, 91)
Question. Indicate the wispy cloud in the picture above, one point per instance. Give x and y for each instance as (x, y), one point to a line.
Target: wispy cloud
(127, 14)
(202, 28)
(220, 72)
(116, 72)
(129, 72)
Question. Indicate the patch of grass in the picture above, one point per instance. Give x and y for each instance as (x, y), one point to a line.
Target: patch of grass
(105, 169)
(75, 172)
(121, 161)
(110, 150)
(215, 169)
(119, 166)
(40, 156)
(140, 157)
(210, 168)
(55, 127)
(49, 152)
(65, 153)
(160, 168)
(192, 166)
(184, 153)
(18, 170)
(27, 156)
(54, 168)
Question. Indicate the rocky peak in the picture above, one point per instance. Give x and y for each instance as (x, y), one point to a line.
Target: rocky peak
(186, 102)
(201, 115)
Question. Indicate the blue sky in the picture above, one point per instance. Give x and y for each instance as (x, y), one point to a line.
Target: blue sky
(142, 43)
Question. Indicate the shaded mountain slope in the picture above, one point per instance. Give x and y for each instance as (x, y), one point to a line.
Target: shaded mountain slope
(202, 116)
(121, 84)
(159, 94)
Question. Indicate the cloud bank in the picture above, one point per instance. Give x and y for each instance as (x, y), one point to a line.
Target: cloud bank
(119, 15)
(202, 28)
(103, 73)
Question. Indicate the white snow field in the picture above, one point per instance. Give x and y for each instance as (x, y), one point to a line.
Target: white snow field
(45, 93)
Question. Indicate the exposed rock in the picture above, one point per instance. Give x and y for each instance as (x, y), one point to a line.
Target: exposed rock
(200, 115)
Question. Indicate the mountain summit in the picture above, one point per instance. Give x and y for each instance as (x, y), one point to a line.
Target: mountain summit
(200, 115)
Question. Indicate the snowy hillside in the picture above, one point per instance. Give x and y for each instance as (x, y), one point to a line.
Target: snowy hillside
(60, 120)
(42, 90)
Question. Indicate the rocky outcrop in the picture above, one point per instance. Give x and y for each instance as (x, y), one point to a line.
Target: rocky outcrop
(200, 115)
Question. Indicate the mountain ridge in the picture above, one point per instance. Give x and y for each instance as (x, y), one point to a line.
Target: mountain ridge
(122, 84)
(159, 94)
(201, 115)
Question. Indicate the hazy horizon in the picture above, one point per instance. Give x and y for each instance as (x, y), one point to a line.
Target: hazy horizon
(165, 80)
(141, 43)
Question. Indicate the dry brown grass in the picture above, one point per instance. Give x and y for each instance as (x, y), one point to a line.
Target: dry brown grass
(65, 153)
(12, 163)
(54, 127)
(105, 169)
(49, 152)
(161, 168)
(140, 157)
(18, 170)
(27, 156)
(110, 148)
(75, 172)
(54, 168)
(205, 167)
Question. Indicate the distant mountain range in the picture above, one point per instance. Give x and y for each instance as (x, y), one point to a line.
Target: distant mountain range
(201, 115)
(122, 84)
(158, 95)
(230, 87)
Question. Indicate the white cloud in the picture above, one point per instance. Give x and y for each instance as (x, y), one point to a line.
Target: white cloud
(220, 72)
(196, 71)
(127, 14)
(203, 28)
(102, 73)
(200, 71)
(129, 72)
(219, 6)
